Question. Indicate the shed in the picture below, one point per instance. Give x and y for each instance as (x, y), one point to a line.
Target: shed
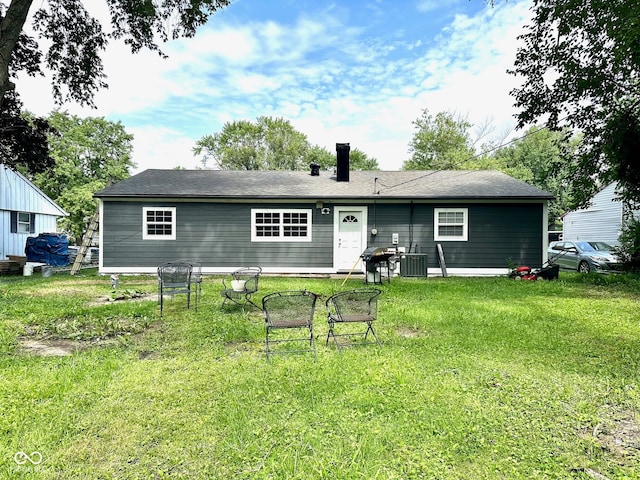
(24, 211)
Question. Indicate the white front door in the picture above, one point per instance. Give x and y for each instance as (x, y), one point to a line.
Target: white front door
(350, 237)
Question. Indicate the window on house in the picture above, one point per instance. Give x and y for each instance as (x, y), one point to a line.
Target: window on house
(23, 222)
(159, 223)
(269, 225)
(450, 224)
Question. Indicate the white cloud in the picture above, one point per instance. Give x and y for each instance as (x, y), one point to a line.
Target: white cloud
(465, 72)
(162, 148)
(334, 83)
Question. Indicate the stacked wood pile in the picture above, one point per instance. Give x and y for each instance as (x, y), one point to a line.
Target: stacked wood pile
(12, 266)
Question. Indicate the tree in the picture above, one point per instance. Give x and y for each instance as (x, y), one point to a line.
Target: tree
(580, 70)
(76, 39)
(267, 144)
(89, 153)
(23, 138)
(321, 156)
(442, 142)
(537, 158)
(629, 249)
(358, 160)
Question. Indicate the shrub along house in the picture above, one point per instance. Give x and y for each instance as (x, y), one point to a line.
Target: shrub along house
(320, 222)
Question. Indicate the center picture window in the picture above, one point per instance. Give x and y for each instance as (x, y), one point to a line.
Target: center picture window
(271, 225)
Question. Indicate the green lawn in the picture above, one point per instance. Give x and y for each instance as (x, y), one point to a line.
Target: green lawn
(475, 379)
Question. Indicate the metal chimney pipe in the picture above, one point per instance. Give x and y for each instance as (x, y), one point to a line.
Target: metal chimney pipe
(342, 162)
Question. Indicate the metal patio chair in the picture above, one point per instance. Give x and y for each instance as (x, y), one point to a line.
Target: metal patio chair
(351, 307)
(288, 311)
(174, 278)
(242, 285)
(196, 278)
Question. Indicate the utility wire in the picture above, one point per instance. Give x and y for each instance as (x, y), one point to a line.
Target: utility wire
(473, 157)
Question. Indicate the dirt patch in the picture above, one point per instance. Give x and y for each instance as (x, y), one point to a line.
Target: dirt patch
(124, 297)
(409, 332)
(620, 436)
(240, 346)
(55, 348)
(148, 355)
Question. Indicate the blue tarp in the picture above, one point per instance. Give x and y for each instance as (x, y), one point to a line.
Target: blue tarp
(49, 248)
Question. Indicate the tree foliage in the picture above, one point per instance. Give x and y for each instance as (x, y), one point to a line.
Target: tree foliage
(538, 159)
(269, 144)
(442, 142)
(89, 153)
(580, 69)
(629, 248)
(76, 39)
(321, 156)
(23, 138)
(358, 160)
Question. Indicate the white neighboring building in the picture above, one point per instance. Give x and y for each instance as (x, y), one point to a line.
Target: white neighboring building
(601, 221)
(25, 211)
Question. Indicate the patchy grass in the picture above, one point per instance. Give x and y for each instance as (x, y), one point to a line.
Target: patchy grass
(476, 378)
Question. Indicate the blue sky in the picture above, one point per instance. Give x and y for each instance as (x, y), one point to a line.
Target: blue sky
(356, 71)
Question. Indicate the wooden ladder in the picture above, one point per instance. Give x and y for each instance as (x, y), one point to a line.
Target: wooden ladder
(86, 241)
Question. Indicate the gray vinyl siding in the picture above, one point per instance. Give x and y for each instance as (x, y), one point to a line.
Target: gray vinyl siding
(499, 234)
(503, 234)
(218, 234)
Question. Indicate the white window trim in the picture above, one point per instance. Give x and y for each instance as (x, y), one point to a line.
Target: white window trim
(281, 237)
(465, 225)
(23, 227)
(146, 236)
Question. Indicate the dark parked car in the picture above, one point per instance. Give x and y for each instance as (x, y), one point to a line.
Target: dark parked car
(584, 257)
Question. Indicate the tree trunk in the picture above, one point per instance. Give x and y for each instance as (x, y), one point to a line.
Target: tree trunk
(10, 27)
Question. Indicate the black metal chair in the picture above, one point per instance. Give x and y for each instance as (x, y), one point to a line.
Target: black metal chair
(351, 307)
(174, 278)
(287, 311)
(196, 278)
(243, 284)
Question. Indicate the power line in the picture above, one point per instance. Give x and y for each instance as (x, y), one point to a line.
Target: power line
(473, 157)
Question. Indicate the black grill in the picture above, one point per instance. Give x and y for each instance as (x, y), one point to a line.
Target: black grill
(373, 257)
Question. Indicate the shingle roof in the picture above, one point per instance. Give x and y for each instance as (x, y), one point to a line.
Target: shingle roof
(436, 184)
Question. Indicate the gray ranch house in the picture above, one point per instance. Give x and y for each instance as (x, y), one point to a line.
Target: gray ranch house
(318, 222)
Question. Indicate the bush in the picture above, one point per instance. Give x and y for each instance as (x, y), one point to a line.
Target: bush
(629, 248)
